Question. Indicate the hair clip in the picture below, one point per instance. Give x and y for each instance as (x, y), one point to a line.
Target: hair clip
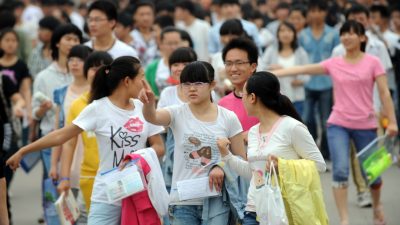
(107, 69)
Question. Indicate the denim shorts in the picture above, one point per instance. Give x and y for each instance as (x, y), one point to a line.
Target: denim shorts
(339, 147)
(104, 214)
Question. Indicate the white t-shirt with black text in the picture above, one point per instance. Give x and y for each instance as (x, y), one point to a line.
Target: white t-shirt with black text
(196, 145)
(118, 132)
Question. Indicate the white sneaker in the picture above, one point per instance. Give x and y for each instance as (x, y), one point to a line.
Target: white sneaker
(364, 199)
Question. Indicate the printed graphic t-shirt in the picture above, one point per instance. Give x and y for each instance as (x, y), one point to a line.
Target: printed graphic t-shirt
(119, 132)
(196, 145)
(16, 72)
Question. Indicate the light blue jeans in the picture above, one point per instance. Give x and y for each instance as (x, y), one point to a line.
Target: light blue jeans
(339, 147)
(104, 214)
(214, 212)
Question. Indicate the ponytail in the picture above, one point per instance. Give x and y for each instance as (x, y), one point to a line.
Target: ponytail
(108, 77)
(99, 85)
(285, 107)
(266, 87)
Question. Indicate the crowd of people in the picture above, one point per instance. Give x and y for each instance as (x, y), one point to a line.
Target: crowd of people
(215, 89)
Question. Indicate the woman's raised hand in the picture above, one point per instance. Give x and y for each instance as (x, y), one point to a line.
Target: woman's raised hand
(146, 95)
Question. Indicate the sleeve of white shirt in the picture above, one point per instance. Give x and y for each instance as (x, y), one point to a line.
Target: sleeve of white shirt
(338, 51)
(154, 129)
(173, 110)
(384, 57)
(304, 144)
(233, 123)
(265, 59)
(239, 165)
(87, 119)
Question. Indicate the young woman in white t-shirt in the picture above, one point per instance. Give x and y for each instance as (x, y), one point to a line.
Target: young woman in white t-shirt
(280, 133)
(287, 54)
(118, 124)
(196, 125)
(173, 95)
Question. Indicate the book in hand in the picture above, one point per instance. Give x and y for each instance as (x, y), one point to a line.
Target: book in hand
(67, 208)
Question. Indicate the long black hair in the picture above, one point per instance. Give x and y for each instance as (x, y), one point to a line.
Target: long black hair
(355, 27)
(266, 87)
(109, 76)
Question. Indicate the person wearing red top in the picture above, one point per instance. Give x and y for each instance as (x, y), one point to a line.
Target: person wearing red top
(240, 58)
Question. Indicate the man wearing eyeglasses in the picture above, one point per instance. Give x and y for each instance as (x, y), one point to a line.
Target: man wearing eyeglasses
(240, 58)
(102, 20)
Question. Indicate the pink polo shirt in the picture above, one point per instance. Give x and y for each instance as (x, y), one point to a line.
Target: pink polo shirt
(353, 86)
(235, 104)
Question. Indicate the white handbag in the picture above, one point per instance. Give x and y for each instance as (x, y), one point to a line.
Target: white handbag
(268, 200)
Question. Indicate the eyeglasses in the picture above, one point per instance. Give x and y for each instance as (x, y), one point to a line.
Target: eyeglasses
(188, 85)
(95, 20)
(229, 64)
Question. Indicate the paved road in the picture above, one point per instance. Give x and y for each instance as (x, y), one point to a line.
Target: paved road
(26, 197)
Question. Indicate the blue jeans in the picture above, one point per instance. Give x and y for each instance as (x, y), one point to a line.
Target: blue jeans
(299, 106)
(193, 215)
(46, 160)
(250, 218)
(322, 99)
(104, 214)
(339, 147)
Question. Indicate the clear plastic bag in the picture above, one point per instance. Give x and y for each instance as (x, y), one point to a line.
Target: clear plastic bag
(124, 183)
(378, 156)
(268, 200)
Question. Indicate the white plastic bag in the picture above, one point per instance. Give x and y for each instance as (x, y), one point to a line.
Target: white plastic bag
(268, 200)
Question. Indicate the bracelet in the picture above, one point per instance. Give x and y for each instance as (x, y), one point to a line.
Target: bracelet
(64, 178)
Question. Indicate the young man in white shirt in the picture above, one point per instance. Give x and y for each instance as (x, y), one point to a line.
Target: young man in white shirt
(101, 21)
(197, 28)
